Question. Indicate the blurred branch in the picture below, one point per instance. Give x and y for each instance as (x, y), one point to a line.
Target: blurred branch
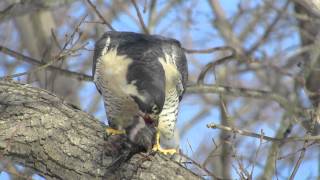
(37, 62)
(301, 156)
(209, 50)
(291, 154)
(224, 26)
(203, 168)
(19, 8)
(256, 18)
(270, 168)
(152, 10)
(143, 25)
(155, 19)
(212, 65)
(100, 15)
(255, 159)
(268, 30)
(202, 88)
(198, 117)
(225, 158)
(262, 136)
(68, 49)
(312, 5)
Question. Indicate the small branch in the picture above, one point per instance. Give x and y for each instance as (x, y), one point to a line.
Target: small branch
(261, 136)
(20, 56)
(268, 30)
(211, 65)
(100, 15)
(224, 27)
(200, 166)
(295, 152)
(252, 93)
(255, 160)
(242, 132)
(209, 50)
(69, 48)
(226, 30)
(145, 29)
(301, 156)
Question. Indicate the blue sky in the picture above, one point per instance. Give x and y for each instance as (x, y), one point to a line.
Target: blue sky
(199, 132)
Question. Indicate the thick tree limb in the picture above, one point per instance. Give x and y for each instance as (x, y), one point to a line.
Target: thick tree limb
(59, 141)
(313, 6)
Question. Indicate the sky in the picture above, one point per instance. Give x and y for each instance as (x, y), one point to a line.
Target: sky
(187, 109)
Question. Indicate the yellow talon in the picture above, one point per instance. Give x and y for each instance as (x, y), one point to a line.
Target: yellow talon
(157, 147)
(111, 131)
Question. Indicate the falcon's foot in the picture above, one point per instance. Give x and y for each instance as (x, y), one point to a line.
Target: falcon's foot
(111, 131)
(157, 147)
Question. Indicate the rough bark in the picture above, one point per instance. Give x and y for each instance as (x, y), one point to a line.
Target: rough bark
(59, 141)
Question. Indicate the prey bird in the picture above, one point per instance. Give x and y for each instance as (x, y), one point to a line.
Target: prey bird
(142, 79)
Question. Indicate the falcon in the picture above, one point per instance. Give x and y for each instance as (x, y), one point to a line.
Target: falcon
(140, 75)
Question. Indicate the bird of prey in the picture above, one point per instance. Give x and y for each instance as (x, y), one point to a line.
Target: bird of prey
(143, 75)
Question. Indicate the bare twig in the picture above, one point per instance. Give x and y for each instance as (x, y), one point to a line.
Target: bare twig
(100, 15)
(211, 154)
(209, 50)
(256, 155)
(64, 52)
(199, 166)
(211, 65)
(199, 116)
(145, 29)
(20, 56)
(268, 30)
(55, 39)
(261, 136)
(297, 165)
(224, 27)
(233, 91)
(296, 151)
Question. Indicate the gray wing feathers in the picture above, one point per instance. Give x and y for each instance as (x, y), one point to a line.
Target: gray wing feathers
(171, 47)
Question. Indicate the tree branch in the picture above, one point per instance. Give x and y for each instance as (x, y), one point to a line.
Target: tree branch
(261, 135)
(60, 141)
(252, 93)
(143, 25)
(312, 5)
(19, 8)
(19, 56)
(100, 15)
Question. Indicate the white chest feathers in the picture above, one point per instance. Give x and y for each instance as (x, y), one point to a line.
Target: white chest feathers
(169, 113)
(111, 80)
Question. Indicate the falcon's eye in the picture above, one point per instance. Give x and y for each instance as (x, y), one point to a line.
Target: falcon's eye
(155, 109)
